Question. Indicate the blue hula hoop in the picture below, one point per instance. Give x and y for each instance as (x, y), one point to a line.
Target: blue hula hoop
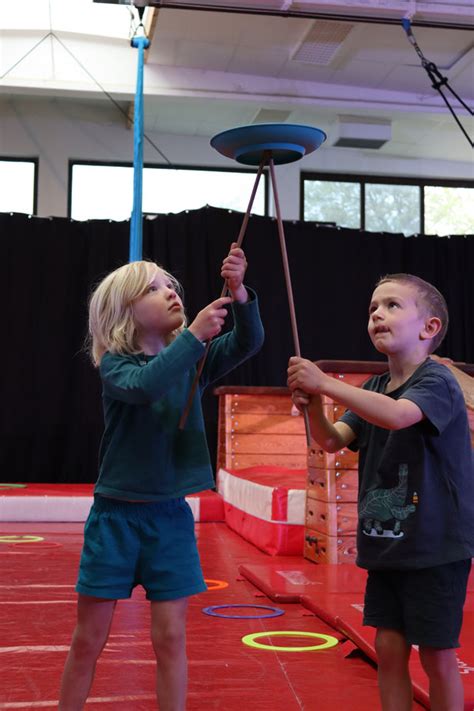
(275, 612)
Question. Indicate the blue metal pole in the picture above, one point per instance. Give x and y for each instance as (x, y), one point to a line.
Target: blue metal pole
(136, 222)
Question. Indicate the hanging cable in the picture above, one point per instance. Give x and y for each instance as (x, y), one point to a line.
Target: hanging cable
(19, 61)
(437, 79)
(115, 103)
(109, 96)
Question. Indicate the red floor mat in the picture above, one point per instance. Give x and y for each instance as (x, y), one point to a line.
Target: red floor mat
(72, 502)
(37, 614)
(335, 593)
(266, 506)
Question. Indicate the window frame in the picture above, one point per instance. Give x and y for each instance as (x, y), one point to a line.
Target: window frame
(198, 168)
(27, 159)
(363, 180)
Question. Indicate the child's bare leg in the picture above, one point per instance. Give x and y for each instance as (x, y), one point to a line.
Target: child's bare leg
(393, 654)
(94, 617)
(168, 634)
(446, 689)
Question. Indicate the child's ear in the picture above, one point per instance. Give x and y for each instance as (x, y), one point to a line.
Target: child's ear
(431, 328)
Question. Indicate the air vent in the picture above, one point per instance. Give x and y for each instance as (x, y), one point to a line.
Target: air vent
(361, 132)
(322, 42)
(271, 116)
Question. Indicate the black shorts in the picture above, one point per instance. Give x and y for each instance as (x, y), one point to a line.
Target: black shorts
(425, 605)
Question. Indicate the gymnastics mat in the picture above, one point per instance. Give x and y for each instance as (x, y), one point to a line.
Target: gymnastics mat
(266, 506)
(72, 502)
(335, 594)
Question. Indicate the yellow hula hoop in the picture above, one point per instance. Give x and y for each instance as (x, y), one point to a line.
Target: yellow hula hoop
(18, 539)
(327, 643)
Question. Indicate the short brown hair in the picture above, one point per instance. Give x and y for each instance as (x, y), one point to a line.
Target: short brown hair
(432, 301)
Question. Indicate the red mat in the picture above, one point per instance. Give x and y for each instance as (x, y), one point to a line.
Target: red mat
(266, 506)
(71, 503)
(37, 616)
(335, 593)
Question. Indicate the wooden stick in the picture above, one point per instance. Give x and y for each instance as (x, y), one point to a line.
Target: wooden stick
(291, 303)
(240, 238)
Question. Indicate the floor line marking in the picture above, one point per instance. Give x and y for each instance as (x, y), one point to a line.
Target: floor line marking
(37, 602)
(34, 585)
(111, 646)
(96, 700)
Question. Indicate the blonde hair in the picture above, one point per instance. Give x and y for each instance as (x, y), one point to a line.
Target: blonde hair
(111, 323)
(432, 301)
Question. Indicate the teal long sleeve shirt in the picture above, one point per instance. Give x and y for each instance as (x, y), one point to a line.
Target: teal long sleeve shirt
(143, 455)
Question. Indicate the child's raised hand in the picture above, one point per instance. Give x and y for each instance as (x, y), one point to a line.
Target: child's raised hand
(304, 375)
(209, 321)
(233, 271)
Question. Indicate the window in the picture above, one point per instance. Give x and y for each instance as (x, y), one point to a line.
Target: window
(328, 201)
(392, 208)
(397, 205)
(100, 191)
(449, 211)
(18, 178)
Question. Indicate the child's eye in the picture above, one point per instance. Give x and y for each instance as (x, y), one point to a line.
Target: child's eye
(392, 304)
(151, 288)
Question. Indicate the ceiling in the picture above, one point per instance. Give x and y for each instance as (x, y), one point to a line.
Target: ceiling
(207, 71)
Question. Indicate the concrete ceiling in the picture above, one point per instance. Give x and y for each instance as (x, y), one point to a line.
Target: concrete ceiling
(207, 71)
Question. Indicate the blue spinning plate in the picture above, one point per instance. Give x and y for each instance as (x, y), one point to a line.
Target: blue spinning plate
(287, 142)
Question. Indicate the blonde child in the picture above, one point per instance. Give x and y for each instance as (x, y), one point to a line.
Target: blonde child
(140, 530)
(416, 488)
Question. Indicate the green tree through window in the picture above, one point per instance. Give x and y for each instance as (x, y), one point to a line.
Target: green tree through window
(392, 208)
(328, 201)
(449, 211)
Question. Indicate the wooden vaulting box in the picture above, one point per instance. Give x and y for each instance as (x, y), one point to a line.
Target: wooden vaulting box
(261, 467)
(331, 495)
(256, 428)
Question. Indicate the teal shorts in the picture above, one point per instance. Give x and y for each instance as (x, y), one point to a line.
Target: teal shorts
(149, 544)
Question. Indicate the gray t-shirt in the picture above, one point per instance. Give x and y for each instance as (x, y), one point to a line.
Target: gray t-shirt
(416, 485)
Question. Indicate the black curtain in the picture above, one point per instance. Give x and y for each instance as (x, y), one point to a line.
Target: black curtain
(51, 418)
